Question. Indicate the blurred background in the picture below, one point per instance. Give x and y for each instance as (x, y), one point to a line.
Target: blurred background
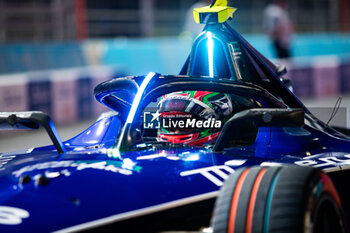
(54, 52)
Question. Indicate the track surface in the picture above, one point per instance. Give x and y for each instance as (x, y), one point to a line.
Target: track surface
(18, 140)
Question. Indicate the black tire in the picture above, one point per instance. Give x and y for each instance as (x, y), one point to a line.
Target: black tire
(289, 199)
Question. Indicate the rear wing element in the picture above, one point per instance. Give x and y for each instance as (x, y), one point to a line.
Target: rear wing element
(31, 120)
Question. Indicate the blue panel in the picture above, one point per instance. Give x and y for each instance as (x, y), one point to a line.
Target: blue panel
(39, 96)
(302, 81)
(84, 97)
(22, 57)
(345, 78)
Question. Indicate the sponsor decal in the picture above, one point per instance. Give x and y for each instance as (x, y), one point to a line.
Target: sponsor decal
(340, 162)
(216, 174)
(12, 215)
(111, 166)
(6, 158)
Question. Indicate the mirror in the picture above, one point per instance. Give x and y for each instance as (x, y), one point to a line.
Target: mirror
(31, 120)
(261, 117)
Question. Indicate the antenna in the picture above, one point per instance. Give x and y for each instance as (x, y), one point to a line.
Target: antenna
(335, 109)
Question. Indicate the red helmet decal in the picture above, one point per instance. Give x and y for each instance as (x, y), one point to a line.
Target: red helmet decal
(184, 138)
(200, 94)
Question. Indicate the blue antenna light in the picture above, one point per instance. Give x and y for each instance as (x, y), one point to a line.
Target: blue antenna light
(210, 54)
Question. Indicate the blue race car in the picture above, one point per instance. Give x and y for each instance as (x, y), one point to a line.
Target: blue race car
(224, 146)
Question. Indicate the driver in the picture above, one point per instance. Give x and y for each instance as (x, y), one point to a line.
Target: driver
(194, 118)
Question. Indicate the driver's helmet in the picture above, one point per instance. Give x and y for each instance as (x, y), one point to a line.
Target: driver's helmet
(211, 108)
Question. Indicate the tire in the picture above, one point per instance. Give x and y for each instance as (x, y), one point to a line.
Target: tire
(289, 199)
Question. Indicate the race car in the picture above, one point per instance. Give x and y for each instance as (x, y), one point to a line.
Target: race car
(224, 146)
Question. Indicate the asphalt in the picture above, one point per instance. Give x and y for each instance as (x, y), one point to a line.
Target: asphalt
(19, 140)
(322, 108)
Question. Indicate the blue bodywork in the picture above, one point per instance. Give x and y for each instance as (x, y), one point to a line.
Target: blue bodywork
(108, 177)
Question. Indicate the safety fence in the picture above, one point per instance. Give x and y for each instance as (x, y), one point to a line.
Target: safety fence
(320, 76)
(66, 95)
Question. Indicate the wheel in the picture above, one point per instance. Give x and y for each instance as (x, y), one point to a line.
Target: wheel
(289, 199)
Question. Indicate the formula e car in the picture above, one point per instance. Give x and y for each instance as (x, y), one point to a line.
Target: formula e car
(224, 146)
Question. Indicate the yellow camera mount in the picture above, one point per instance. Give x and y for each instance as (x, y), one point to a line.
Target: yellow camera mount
(217, 12)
